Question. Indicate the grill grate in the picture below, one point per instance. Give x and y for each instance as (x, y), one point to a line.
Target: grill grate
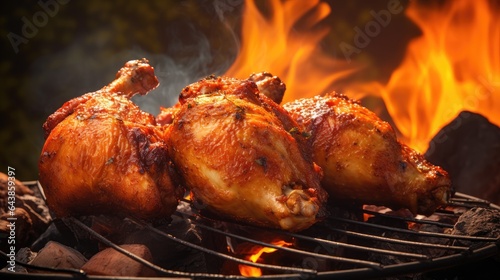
(348, 245)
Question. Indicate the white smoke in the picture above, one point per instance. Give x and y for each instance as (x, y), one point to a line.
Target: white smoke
(80, 68)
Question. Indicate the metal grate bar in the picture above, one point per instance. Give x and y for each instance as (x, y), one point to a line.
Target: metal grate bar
(218, 254)
(359, 247)
(466, 204)
(445, 212)
(292, 250)
(464, 200)
(414, 267)
(424, 233)
(358, 268)
(406, 219)
(106, 242)
(399, 241)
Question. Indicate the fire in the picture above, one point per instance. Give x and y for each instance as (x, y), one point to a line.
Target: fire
(453, 66)
(275, 45)
(251, 271)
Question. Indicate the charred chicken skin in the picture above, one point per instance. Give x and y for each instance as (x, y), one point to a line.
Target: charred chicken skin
(103, 155)
(236, 156)
(363, 161)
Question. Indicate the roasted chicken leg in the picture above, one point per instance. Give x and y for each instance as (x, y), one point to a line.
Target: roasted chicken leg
(236, 156)
(103, 155)
(363, 161)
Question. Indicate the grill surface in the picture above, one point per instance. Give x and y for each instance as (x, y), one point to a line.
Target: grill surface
(352, 248)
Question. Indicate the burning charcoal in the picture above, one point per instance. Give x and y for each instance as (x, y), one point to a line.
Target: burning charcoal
(478, 222)
(387, 259)
(56, 255)
(468, 149)
(388, 221)
(113, 228)
(62, 231)
(24, 255)
(396, 220)
(352, 212)
(113, 263)
(165, 252)
(51, 234)
(255, 252)
(175, 256)
(170, 254)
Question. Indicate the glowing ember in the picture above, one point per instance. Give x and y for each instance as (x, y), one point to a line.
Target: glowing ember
(274, 45)
(246, 270)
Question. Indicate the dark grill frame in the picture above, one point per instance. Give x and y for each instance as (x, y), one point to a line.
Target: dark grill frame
(481, 248)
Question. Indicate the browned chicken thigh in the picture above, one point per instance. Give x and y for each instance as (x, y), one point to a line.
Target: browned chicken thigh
(363, 161)
(103, 155)
(237, 158)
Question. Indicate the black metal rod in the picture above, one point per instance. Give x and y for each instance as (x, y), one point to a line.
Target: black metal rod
(399, 241)
(297, 251)
(292, 250)
(133, 256)
(416, 266)
(465, 198)
(368, 269)
(221, 255)
(423, 233)
(359, 247)
(406, 219)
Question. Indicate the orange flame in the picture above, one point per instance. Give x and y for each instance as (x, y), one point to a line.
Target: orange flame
(453, 66)
(275, 45)
(251, 271)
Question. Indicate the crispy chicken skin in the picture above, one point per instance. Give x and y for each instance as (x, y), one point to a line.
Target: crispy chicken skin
(237, 158)
(363, 161)
(103, 155)
(269, 85)
(166, 115)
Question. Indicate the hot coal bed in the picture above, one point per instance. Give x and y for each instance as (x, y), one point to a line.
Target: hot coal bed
(368, 243)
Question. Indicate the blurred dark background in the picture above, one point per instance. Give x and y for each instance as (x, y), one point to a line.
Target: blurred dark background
(74, 47)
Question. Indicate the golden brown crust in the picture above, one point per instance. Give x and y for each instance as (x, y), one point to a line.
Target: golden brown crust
(213, 85)
(106, 156)
(363, 161)
(269, 85)
(166, 115)
(240, 161)
(137, 76)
